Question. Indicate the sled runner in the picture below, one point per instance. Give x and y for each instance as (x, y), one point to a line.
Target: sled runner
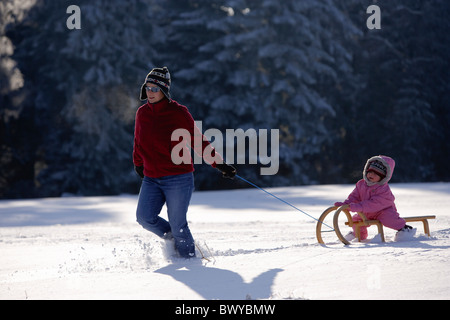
(358, 224)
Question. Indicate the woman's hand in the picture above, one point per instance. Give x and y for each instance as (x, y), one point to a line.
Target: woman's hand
(227, 170)
(139, 171)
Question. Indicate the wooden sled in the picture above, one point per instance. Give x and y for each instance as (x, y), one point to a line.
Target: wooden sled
(357, 225)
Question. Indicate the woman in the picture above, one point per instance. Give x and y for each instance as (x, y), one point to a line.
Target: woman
(164, 181)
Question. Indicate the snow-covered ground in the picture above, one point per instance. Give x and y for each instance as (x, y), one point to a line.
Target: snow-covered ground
(92, 248)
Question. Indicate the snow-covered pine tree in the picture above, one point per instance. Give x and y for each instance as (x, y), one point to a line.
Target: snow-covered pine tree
(308, 68)
(271, 64)
(18, 139)
(402, 69)
(96, 73)
(415, 101)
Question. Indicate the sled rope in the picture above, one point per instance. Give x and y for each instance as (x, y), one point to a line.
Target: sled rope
(284, 201)
(202, 254)
(210, 253)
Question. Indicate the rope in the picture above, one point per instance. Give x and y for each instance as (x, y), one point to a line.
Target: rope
(254, 185)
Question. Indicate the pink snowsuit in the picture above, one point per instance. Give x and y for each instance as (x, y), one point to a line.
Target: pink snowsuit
(375, 200)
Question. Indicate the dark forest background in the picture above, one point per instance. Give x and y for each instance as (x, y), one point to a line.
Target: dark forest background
(338, 92)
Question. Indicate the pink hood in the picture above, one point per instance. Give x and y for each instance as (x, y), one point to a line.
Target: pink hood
(388, 162)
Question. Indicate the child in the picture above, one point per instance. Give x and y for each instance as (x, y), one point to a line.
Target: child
(373, 197)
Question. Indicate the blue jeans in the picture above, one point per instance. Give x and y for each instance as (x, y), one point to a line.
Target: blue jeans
(175, 191)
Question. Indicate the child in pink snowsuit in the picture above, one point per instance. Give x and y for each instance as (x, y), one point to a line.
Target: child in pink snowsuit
(373, 197)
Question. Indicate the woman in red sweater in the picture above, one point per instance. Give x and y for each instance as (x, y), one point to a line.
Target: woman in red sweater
(165, 181)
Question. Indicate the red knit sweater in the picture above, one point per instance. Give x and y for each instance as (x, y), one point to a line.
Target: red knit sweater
(154, 126)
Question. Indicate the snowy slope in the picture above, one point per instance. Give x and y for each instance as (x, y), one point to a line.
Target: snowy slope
(92, 248)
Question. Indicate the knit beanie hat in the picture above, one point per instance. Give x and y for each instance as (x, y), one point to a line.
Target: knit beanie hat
(160, 77)
(378, 167)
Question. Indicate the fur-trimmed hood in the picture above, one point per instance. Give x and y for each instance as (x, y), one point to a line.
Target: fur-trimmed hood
(388, 162)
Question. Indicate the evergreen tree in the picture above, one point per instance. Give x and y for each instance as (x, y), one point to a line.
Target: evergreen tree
(394, 112)
(88, 82)
(337, 91)
(271, 64)
(17, 136)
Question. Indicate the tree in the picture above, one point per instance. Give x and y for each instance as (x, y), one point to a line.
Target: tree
(16, 150)
(337, 91)
(267, 65)
(86, 92)
(402, 69)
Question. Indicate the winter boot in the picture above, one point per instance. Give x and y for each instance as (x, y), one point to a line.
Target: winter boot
(350, 236)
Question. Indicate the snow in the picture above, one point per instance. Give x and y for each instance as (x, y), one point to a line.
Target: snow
(92, 248)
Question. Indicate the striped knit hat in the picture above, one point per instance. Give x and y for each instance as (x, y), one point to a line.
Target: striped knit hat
(378, 167)
(160, 77)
